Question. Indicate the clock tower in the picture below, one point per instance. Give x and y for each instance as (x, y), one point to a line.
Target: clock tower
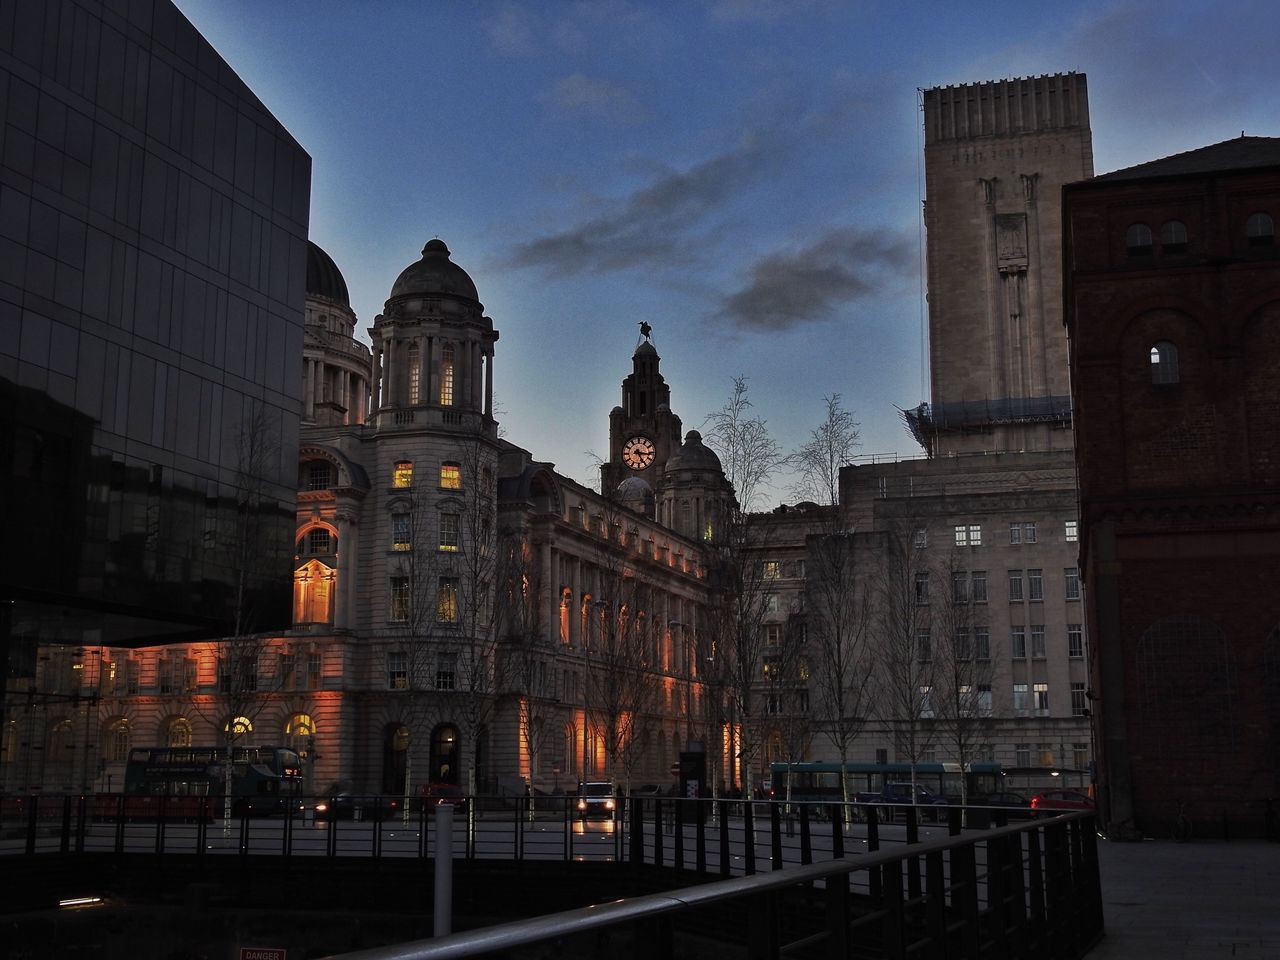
(643, 432)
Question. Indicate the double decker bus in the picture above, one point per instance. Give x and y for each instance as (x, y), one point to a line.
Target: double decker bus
(190, 782)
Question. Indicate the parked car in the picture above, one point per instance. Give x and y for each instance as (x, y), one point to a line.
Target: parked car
(596, 800)
(439, 794)
(1048, 801)
(341, 802)
(900, 794)
(1018, 806)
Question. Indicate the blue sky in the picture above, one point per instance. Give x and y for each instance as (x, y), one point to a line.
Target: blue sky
(745, 175)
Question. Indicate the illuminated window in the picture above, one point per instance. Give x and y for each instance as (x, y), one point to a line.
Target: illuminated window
(238, 726)
(400, 539)
(447, 600)
(179, 733)
(117, 745)
(1070, 530)
(772, 569)
(1021, 700)
(402, 475)
(446, 376)
(312, 593)
(1164, 363)
(968, 535)
(415, 375)
(565, 603)
(449, 531)
(451, 476)
(399, 599)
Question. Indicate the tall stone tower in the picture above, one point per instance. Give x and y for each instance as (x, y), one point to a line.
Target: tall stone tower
(996, 157)
(643, 432)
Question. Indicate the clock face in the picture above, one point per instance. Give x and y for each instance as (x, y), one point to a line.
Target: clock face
(638, 453)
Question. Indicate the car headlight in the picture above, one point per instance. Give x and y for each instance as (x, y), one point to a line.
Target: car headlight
(321, 807)
(582, 804)
(608, 804)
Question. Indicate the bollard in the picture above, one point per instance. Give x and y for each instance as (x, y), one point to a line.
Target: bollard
(443, 916)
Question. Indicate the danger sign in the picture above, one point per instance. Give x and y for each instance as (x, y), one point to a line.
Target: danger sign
(262, 953)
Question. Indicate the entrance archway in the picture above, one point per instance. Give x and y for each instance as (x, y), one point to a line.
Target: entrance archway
(395, 756)
(444, 754)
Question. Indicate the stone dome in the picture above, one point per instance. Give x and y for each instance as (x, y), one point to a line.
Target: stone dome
(324, 279)
(646, 349)
(434, 274)
(693, 455)
(634, 490)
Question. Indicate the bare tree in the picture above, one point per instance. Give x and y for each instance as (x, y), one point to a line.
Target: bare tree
(962, 670)
(906, 589)
(788, 725)
(839, 626)
(818, 461)
(748, 453)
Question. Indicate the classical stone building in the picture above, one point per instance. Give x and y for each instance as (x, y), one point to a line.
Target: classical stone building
(1173, 308)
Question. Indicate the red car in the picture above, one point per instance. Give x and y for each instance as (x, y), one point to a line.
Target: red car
(1053, 800)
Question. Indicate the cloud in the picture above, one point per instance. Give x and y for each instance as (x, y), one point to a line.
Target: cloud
(843, 266)
(654, 224)
(578, 93)
(512, 30)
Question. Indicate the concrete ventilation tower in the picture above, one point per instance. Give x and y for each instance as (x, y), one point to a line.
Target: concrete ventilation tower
(996, 157)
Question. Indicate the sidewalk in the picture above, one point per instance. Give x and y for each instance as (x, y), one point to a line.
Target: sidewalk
(1192, 901)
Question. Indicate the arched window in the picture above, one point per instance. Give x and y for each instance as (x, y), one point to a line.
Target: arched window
(444, 754)
(238, 727)
(116, 747)
(415, 375)
(318, 542)
(1173, 237)
(1137, 240)
(1260, 229)
(178, 732)
(1164, 363)
(298, 731)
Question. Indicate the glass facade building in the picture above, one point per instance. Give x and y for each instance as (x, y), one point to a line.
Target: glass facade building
(153, 249)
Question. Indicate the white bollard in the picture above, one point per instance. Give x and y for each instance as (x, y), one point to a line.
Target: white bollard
(444, 870)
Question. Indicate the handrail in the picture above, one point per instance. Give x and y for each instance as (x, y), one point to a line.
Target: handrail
(523, 933)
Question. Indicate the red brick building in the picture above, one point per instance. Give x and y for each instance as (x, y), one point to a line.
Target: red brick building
(1172, 300)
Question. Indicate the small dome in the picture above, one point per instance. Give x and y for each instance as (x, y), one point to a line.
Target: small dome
(634, 490)
(694, 455)
(646, 349)
(324, 279)
(435, 273)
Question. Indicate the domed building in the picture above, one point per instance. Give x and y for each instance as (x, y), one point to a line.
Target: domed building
(337, 368)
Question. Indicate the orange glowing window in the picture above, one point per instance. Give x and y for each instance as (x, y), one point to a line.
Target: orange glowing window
(451, 476)
(402, 474)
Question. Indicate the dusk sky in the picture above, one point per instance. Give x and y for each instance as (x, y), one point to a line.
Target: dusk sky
(744, 175)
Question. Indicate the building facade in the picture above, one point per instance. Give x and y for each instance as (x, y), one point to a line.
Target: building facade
(1173, 299)
(153, 221)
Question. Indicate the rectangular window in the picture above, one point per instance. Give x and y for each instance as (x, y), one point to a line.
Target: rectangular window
(1044, 754)
(771, 603)
(1021, 700)
(1015, 585)
(960, 587)
(1070, 531)
(190, 675)
(165, 675)
(1018, 642)
(451, 476)
(772, 634)
(1079, 702)
(1041, 691)
(772, 569)
(319, 542)
(449, 523)
(249, 673)
(968, 535)
(919, 538)
(318, 473)
(313, 671)
(1022, 532)
(1075, 641)
(924, 648)
(926, 702)
(962, 644)
(922, 588)
(982, 643)
(446, 375)
(1022, 755)
(446, 671)
(771, 666)
(1037, 641)
(397, 671)
(400, 539)
(978, 586)
(132, 670)
(1072, 577)
(224, 676)
(287, 665)
(984, 700)
(402, 474)
(802, 701)
(882, 755)
(1035, 584)
(447, 600)
(399, 611)
(1080, 756)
